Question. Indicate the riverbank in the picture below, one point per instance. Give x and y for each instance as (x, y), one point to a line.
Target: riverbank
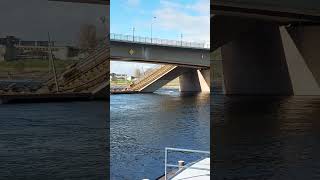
(121, 84)
(31, 68)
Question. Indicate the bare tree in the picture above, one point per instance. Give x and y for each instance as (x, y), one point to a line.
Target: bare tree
(88, 37)
(137, 73)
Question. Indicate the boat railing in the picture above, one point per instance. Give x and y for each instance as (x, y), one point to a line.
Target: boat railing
(181, 166)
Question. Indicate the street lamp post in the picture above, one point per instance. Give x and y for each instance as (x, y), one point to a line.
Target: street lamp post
(152, 27)
(181, 38)
(133, 29)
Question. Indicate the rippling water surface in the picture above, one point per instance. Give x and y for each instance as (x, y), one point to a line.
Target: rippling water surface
(275, 138)
(142, 125)
(53, 141)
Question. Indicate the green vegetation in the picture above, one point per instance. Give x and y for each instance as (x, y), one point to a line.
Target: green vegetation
(216, 64)
(173, 84)
(35, 68)
(120, 83)
(216, 55)
(32, 65)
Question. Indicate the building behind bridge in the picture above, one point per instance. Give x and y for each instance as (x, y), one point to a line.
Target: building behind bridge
(12, 48)
(123, 77)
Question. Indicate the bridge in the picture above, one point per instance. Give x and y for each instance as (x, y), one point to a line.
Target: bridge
(86, 79)
(189, 61)
(267, 47)
(89, 77)
(143, 49)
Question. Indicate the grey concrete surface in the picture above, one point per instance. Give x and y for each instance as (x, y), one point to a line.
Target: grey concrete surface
(128, 51)
(255, 63)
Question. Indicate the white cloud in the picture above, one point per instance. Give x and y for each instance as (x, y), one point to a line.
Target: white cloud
(201, 6)
(192, 20)
(129, 67)
(133, 2)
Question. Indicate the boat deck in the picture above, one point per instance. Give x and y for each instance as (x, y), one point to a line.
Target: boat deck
(197, 171)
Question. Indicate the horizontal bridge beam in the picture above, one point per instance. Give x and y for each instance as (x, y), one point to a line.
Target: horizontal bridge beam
(137, 52)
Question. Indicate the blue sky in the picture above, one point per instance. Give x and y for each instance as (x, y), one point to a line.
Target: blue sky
(191, 18)
(33, 19)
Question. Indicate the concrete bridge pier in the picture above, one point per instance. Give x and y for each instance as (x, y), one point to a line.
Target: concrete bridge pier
(228, 28)
(195, 80)
(204, 78)
(301, 46)
(254, 62)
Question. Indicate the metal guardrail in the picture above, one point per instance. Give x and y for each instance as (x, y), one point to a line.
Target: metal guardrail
(166, 165)
(157, 41)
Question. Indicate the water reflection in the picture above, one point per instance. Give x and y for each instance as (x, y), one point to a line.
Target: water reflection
(53, 140)
(266, 137)
(142, 125)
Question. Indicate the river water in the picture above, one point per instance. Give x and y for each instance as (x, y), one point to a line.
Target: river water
(53, 140)
(276, 138)
(256, 137)
(142, 125)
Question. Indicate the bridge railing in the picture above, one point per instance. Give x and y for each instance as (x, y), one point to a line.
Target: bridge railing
(157, 41)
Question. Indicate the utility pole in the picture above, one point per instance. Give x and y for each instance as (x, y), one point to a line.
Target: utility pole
(52, 63)
(133, 29)
(181, 38)
(152, 26)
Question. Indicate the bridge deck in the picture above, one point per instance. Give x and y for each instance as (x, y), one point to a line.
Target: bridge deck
(140, 52)
(285, 10)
